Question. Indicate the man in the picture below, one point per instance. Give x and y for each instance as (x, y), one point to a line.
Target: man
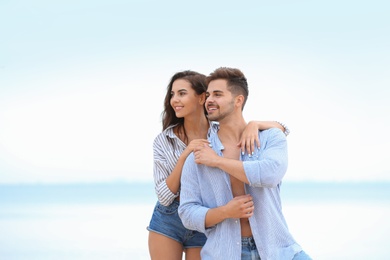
(232, 197)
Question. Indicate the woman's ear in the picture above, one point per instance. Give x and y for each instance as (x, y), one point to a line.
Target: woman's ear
(202, 98)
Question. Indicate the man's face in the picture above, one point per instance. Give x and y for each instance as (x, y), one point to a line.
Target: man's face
(220, 102)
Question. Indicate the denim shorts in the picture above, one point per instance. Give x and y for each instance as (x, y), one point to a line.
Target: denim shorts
(166, 221)
(249, 251)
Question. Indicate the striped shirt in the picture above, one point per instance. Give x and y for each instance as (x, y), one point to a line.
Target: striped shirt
(206, 187)
(167, 148)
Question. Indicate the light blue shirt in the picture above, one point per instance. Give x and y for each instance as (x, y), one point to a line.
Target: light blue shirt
(203, 188)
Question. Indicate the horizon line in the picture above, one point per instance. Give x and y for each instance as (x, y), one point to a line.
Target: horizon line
(131, 182)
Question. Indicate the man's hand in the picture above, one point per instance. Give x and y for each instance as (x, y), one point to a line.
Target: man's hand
(193, 144)
(205, 155)
(240, 207)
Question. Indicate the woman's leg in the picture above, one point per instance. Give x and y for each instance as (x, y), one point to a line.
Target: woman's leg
(164, 248)
(193, 253)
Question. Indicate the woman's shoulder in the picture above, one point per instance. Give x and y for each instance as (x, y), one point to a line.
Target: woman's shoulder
(165, 135)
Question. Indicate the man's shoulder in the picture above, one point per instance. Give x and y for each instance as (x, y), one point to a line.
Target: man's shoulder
(190, 161)
(272, 132)
(272, 135)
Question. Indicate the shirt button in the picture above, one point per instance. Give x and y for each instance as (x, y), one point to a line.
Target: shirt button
(238, 243)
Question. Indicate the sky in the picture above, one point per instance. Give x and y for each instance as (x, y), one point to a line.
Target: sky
(82, 83)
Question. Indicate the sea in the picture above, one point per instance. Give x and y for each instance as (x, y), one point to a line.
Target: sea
(96, 221)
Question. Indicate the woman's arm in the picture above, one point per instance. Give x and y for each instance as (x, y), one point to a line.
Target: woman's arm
(168, 168)
(173, 180)
(250, 136)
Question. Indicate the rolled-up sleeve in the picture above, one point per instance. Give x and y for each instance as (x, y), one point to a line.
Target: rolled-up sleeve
(269, 170)
(191, 211)
(162, 168)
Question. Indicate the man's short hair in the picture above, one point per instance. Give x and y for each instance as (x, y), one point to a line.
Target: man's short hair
(236, 81)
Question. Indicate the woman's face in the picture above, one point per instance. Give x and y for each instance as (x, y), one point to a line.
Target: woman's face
(184, 99)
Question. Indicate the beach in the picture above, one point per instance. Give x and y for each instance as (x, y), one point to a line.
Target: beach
(98, 226)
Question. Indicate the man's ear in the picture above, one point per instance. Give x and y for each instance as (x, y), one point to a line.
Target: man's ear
(240, 100)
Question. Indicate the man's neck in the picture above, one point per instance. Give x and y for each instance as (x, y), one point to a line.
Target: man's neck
(231, 131)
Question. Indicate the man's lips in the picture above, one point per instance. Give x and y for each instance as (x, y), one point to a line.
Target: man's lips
(210, 109)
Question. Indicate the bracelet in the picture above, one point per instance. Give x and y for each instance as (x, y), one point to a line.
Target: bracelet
(286, 130)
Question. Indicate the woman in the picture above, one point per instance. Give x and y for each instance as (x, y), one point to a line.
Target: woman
(185, 126)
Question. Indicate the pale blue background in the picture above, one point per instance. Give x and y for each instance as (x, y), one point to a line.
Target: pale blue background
(81, 90)
(82, 82)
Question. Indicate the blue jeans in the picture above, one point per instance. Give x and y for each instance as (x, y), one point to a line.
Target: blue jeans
(166, 221)
(249, 251)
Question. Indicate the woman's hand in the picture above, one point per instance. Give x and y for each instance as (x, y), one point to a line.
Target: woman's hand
(195, 143)
(250, 138)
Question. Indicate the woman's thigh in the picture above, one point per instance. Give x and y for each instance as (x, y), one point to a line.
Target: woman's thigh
(162, 247)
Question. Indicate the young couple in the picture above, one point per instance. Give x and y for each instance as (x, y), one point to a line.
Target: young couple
(227, 173)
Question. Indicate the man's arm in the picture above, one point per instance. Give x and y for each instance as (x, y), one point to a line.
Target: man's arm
(267, 171)
(207, 156)
(250, 135)
(238, 207)
(191, 210)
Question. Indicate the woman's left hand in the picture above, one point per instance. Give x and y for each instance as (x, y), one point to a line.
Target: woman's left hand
(250, 138)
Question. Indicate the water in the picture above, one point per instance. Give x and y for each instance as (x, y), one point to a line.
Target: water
(108, 221)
